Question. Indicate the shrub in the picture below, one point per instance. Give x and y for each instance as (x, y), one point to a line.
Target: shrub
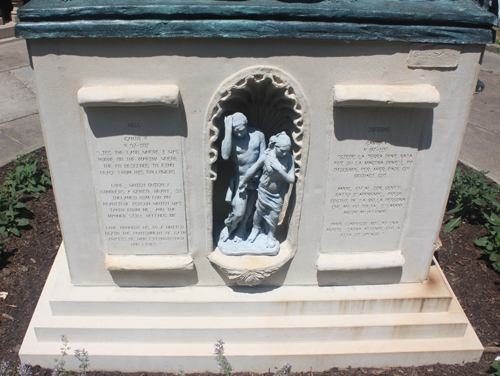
(472, 193)
(26, 179)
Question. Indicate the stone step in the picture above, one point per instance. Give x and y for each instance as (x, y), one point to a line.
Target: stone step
(259, 357)
(69, 300)
(7, 30)
(252, 329)
(164, 330)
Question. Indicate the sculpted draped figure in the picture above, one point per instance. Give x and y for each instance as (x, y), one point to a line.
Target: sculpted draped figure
(244, 145)
(277, 166)
(257, 188)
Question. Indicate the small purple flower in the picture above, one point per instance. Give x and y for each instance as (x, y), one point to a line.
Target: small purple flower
(4, 368)
(284, 371)
(24, 370)
(221, 360)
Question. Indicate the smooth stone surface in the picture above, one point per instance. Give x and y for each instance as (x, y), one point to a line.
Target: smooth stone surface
(485, 112)
(423, 141)
(250, 29)
(458, 12)
(9, 146)
(27, 130)
(477, 146)
(433, 56)
(357, 261)
(25, 75)
(17, 99)
(138, 170)
(482, 136)
(311, 327)
(409, 96)
(371, 176)
(11, 58)
(7, 30)
(255, 248)
(129, 95)
(491, 62)
(21, 134)
(150, 263)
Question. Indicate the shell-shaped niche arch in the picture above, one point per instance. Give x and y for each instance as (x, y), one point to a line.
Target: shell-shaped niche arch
(272, 102)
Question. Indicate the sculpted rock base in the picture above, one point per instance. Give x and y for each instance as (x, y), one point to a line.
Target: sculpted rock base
(256, 248)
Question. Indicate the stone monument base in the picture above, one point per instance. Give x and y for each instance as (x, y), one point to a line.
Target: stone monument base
(313, 328)
(256, 248)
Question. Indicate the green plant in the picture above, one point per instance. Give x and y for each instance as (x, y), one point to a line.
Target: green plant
(284, 371)
(13, 214)
(81, 354)
(490, 243)
(25, 179)
(22, 370)
(496, 366)
(226, 368)
(58, 369)
(83, 358)
(472, 193)
(221, 359)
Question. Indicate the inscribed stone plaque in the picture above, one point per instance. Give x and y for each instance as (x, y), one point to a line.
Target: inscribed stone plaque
(138, 169)
(434, 56)
(372, 158)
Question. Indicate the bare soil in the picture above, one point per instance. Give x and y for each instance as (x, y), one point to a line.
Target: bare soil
(26, 262)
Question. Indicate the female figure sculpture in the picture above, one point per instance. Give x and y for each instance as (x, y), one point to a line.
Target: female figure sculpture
(277, 172)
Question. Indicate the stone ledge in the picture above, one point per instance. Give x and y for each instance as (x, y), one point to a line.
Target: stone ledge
(129, 95)
(416, 96)
(149, 262)
(360, 261)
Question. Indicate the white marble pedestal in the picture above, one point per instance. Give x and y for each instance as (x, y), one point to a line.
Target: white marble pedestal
(311, 327)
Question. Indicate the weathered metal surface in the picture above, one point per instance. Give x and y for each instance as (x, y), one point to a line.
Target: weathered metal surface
(440, 21)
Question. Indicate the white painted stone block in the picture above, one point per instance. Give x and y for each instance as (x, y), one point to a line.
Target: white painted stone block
(311, 327)
(141, 189)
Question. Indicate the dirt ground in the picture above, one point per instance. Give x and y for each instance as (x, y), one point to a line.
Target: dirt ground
(26, 262)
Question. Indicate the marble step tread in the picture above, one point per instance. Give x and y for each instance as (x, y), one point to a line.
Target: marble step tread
(261, 356)
(66, 299)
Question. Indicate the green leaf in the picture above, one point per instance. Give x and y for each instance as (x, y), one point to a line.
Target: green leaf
(479, 202)
(21, 205)
(452, 224)
(15, 231)
(494, 257)
(456, 209)
(496, 266)
(495, 219)
(22, 222)
(481, 242)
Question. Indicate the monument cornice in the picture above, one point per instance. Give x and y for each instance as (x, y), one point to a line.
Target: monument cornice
(454, 22)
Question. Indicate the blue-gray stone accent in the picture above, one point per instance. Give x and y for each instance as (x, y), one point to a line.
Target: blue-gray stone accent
(437, 21)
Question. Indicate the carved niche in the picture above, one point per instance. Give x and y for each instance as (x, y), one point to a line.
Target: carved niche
(272, 102)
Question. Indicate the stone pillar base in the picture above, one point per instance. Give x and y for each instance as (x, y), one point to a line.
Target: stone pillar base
(311, 327)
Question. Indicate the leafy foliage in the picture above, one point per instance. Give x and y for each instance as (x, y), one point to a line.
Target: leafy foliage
(496, 366)
(26, 178)
(284, 371)
(58, 369)
(221, 359)
(490, 243)
(22, 370)
(84, 362)
(473, 194)
(22, 182)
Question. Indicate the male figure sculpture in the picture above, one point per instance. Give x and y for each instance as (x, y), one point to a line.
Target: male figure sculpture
(277, 172)
(244, 145)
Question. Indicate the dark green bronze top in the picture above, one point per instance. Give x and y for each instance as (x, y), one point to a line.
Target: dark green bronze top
(430, 21)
